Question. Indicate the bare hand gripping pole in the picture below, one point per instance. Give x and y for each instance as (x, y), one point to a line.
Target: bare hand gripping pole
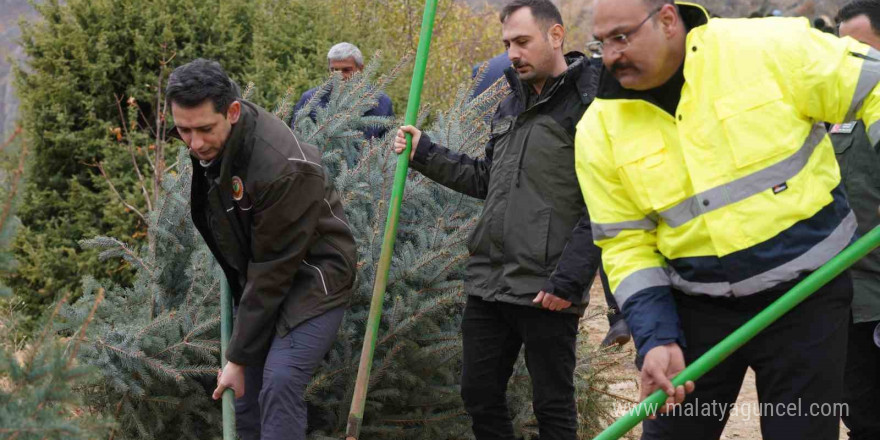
(356, 415)
(738, 338)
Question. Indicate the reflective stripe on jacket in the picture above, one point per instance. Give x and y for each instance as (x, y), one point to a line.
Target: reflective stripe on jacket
(739, 190)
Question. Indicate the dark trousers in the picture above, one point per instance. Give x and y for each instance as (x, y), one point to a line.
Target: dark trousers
(798, 363)
(273, 406)
(493, 334)
(862, 383)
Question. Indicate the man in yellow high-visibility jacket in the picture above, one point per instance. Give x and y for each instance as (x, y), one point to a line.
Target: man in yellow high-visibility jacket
(713, 188)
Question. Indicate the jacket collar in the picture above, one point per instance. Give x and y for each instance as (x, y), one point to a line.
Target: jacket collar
(692, 15)
(577, 63)
(240, 142)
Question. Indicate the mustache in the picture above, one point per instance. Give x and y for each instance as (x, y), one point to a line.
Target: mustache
(618, 66)
(519, 63)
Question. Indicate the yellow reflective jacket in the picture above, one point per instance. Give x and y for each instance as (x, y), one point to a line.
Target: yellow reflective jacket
(737, 191)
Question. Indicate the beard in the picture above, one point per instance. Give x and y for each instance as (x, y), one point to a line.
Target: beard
(529, 75)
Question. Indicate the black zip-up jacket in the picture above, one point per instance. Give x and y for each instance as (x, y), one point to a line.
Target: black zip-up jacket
(271, 217)
(534, 233)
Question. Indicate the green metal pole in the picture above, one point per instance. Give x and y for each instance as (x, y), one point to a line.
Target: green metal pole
(356, 414)
(225, 335)
(738, 338)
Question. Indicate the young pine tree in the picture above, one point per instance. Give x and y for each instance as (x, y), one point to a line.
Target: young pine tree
(41, 384)
(38, 373)
(156, 342)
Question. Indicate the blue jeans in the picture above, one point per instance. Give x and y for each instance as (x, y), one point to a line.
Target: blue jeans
(273, 406)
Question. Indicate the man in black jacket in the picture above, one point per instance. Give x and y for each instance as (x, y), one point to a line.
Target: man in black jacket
(860, 20)
(268, 212)
(532, 257)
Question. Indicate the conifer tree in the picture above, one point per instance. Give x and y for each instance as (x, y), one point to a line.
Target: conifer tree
(12, 183)
(85, 56)
(41, 385)
(156, 343)
(38, 374)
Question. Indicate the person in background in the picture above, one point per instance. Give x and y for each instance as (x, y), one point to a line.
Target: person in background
(859, 166)
(347, 59)
(493, 71)
(824, 24)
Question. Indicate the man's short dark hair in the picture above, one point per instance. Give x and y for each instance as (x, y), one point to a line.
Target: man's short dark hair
(544, 11)
(870, 8)
(193, 83)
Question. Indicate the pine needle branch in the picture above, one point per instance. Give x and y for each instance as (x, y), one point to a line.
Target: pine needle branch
(85, 326)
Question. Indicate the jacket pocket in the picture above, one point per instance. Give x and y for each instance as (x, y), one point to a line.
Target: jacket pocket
(331, 267)
(502, 126)
(842, 144)
(649, 170)
(751, 119)
(500, 137)
(475, 237)
(525, 239)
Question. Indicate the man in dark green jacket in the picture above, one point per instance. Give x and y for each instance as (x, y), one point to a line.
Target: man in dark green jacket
(532, 257)
(860, 174)
(269, 214)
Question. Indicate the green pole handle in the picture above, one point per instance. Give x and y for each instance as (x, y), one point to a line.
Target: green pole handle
(225, 335)
(356, 414)
(738, 338)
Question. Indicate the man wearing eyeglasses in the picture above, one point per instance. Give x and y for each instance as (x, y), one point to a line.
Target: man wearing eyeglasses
(347, 60)
(713, 189)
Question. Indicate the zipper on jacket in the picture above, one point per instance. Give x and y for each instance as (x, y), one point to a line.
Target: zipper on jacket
(234, 224)
(525, 143)
(522, 156)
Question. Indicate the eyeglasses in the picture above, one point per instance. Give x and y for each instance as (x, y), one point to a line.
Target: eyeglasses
(619, 42)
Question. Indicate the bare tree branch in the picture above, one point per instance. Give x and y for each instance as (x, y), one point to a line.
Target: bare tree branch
(134, 161)
(11, 138)
(119, 196)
